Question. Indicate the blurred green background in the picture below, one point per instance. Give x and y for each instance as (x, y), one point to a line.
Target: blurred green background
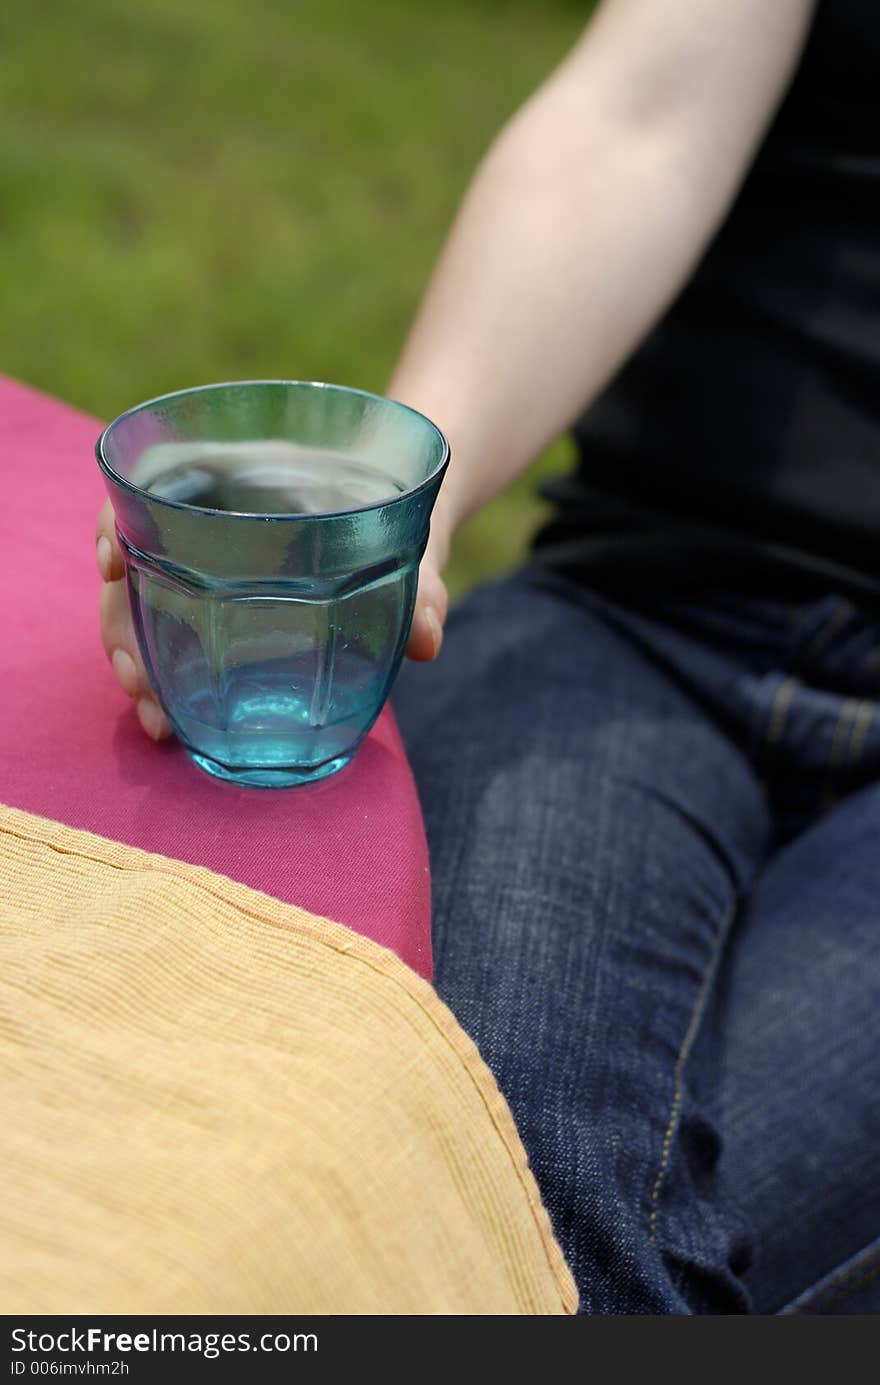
(197, 190)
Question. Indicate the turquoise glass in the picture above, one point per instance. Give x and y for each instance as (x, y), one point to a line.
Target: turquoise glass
(272, 532)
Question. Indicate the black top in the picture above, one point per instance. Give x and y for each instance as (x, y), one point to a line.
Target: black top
(741, 444)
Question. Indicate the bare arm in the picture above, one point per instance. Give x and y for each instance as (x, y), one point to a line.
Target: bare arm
(584, 220)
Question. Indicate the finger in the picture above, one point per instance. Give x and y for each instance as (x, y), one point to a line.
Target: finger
(120, 646)
(107, 551)
(432, 602)
(425, 636)
(152, 719)
(117, 631)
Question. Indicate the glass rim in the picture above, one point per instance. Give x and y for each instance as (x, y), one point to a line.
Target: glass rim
(118, 479)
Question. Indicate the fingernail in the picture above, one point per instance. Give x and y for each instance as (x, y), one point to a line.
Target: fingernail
(150, 717)
(125, 670)
(433, 621)
(104, 554)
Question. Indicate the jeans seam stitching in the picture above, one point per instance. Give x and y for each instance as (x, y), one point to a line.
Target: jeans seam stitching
(678, 1089)
(841, 1285)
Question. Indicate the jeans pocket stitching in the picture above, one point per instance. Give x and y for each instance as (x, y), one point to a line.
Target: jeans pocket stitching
(843, 733)
(862, 719)
(779, 710)
(826, 632)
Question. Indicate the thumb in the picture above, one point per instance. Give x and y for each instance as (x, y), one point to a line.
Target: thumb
(432, 604)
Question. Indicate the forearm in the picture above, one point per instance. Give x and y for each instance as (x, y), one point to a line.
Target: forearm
(581, 225)
(559, 261)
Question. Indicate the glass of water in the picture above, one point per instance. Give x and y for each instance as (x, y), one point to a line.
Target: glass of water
(272, 532)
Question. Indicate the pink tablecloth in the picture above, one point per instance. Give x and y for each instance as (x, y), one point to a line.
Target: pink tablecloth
(351, 848)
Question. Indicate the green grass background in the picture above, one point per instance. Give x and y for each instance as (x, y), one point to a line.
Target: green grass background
(197, 190)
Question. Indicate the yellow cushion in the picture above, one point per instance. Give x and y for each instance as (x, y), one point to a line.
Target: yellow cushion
(217, 1103)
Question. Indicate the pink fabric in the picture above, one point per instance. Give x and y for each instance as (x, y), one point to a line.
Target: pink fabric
(351, 847)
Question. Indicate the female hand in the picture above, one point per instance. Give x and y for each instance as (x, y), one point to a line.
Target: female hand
(120, 642)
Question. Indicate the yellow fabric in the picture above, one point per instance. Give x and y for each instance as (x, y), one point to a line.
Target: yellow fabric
(217, 1103)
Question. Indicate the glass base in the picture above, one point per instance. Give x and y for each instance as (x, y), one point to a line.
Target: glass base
(269, 778)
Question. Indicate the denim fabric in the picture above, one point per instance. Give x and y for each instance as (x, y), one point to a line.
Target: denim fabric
(655, 840)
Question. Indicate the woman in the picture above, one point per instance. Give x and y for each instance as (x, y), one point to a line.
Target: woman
(649, 762)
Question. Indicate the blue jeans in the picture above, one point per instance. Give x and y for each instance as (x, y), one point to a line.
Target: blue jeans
(655, 839)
